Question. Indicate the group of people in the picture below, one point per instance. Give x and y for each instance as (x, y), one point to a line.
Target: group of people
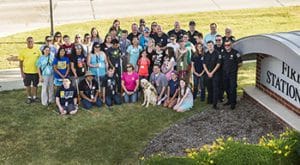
(180, 64)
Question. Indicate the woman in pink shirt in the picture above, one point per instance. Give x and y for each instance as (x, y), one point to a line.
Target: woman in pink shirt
(130, 84)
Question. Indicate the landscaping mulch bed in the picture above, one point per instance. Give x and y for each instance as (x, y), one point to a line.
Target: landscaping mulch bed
(248, 120)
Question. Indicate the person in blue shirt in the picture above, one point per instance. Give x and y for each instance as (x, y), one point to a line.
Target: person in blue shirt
(45, 72)
(212, 35)
(144, 38)
(172, 91)
(61, 66)
(134, 51)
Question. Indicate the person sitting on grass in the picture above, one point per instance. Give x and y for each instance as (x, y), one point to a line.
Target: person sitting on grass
(66, 98)
(185, 99)
(172, 91)
(110, 88)
(89, 91)
(160, 82)
(130, 84)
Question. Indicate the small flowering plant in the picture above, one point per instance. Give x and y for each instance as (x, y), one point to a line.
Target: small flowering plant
(287, 144)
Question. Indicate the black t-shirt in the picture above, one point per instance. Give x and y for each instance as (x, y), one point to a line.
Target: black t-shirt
(179, 34)
(198, 62)
(110, 85)
(191, 36)
(212, 59)
(230, 61)
(88, 89)
(219, 49)
(231, 38)
(79, 64)
(161, 39)
(103, 47)
(66, 96)
(114, 56)
(158, 57)
(131, 35)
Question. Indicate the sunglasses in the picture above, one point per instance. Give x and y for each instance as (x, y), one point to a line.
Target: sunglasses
(128, 67)
(227, 45)
(96, 46)
(57, 36)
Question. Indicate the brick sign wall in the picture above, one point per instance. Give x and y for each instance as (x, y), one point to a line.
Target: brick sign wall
(279, 80)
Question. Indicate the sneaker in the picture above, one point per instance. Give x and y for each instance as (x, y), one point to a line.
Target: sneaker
(28, 101)
(37, 100)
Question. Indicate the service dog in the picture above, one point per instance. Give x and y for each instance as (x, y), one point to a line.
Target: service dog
(150, 94)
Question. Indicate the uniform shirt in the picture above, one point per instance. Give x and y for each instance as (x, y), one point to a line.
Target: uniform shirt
(173, 85)
(219, 49)
(66, 96)
(159, 81)
(198, 63)
(230, 61)
(179, 34)
(110, 85)
(89, 89)
(231, 38)
(114, 56)
(79, 63)
(45, 64)
(161, 39)
(192, 35)
(61, 65)
(212, 59)
(29, 58)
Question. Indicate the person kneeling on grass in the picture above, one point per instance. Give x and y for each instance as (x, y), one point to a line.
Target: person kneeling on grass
(89, 91)
(185, 99)
(110, 87)
(172, 91)
(66, 98)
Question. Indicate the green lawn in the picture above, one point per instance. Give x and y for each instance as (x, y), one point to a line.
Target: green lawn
(243, 22)
(33, 134)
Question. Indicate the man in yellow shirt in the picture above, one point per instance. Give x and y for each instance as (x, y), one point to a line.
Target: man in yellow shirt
(28, 58)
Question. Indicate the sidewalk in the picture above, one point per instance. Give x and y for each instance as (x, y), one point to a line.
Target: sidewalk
(10, 79)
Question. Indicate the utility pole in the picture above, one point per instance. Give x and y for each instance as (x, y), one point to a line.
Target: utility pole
(51, 18)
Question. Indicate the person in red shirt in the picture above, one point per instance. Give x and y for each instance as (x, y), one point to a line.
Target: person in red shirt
(67, 46)
(143, 65)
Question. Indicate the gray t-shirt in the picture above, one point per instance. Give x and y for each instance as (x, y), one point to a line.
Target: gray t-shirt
(159, 81)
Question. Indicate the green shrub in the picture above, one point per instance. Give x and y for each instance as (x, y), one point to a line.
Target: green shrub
(284, 150)
(243, 154)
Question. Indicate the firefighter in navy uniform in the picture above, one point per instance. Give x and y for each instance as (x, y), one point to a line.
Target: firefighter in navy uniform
(220, 48)
(211, 64)
(231, 62)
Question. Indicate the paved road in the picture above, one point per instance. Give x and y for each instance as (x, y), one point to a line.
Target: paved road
(24, 15)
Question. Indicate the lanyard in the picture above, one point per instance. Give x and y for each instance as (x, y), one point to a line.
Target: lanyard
(89, 85)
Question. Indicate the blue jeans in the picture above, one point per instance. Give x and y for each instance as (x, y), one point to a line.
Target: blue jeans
(197, 81)
(88, 105)
(115, 98)
(130, 98)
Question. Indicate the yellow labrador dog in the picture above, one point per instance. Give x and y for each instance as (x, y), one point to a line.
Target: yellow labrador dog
(150, 94)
